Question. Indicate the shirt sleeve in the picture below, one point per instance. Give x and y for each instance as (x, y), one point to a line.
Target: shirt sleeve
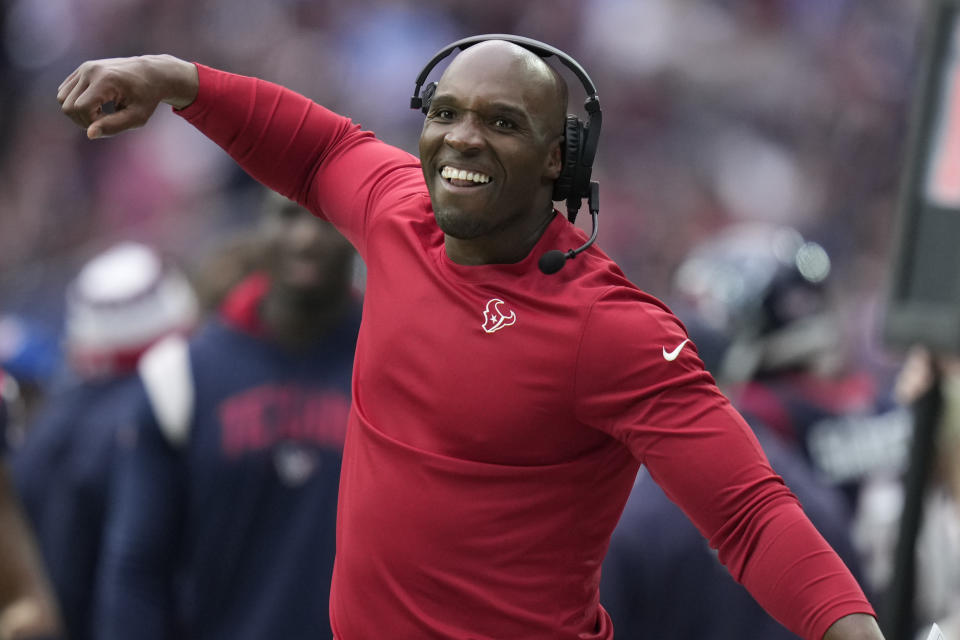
(641, 381)
(302, 150)
(135, 598)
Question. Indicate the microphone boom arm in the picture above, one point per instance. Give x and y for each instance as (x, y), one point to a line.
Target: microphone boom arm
(553, 261)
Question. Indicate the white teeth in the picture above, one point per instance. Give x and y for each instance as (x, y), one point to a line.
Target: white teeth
(451, 173)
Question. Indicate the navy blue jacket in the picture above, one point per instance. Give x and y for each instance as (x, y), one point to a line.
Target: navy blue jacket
(62, 474)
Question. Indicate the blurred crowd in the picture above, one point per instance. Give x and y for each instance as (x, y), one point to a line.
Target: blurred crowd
(789, 111)
(783, 122)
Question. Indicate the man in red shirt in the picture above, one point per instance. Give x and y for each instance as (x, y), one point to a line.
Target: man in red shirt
(499, 414)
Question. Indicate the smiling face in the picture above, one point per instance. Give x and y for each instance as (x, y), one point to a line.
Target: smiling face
(490, 151)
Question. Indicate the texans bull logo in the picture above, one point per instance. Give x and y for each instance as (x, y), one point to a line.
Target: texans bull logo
(494, 318)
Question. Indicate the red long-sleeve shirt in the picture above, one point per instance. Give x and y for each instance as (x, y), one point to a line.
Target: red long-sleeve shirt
(500, 415)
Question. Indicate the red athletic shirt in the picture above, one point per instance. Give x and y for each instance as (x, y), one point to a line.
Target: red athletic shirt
(500, 415)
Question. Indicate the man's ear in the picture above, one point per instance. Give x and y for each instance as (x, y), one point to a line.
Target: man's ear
(555, 159)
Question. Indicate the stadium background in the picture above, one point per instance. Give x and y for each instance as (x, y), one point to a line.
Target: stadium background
(789, 111)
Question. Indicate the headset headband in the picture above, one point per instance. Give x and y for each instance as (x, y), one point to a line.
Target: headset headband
(591, 104)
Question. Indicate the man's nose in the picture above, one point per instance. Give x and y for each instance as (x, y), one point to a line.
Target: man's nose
(466, 134)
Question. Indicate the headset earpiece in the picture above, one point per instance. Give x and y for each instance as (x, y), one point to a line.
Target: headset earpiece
(572, 147)
(427, 97)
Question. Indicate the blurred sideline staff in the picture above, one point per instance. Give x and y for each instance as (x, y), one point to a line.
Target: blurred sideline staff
(123, 300)
(223, 509)
(760, 298)
(754, 300)
(937, 551)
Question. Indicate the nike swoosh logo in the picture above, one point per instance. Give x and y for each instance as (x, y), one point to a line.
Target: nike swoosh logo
(670, 356)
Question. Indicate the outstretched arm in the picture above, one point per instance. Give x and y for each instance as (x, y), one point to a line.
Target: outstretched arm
(107, 97)
(286, 141)
(27, 605)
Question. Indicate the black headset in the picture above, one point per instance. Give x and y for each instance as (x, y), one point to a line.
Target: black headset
(580, 139)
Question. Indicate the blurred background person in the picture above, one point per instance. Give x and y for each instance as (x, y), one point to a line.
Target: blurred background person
(121, 302)
(233, 259)
(223, 518)
(937, 553)
(28, 609)
(765, 300)
(755, 302)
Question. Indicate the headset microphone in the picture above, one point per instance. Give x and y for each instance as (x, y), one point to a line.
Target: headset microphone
(553, 261)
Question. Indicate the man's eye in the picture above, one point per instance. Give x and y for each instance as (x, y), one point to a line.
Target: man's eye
(503, 123)
(443, 114)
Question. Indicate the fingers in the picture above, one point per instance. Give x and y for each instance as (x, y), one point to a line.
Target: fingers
(109, 124)
(67, 85)
(84, 93)
(79, 99)
(69, 106)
